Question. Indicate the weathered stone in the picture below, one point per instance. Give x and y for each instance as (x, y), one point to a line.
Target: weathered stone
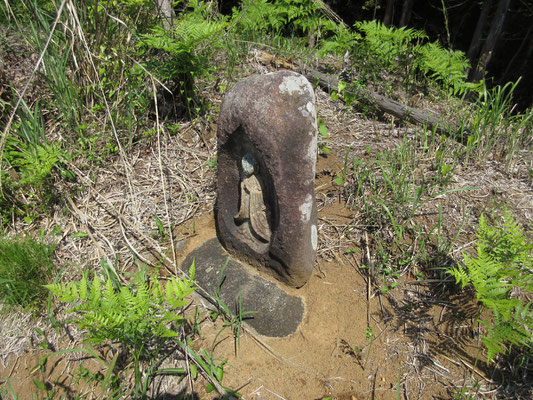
(266, 209)
(263, 305)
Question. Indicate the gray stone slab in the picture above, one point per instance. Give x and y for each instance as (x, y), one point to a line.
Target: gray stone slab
(277, 314)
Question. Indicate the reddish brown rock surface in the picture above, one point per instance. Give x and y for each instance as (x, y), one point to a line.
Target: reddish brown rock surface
(267, 134)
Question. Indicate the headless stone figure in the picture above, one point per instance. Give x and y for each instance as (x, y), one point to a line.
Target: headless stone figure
(252, 210)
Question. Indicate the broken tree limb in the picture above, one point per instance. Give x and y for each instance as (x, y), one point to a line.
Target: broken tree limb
(382, 103)
(389, 106)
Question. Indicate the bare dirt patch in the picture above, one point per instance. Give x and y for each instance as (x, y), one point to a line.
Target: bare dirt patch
(410, 337)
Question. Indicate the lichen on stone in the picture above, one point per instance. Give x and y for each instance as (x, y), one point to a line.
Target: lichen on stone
(295, 84)
(306, 208)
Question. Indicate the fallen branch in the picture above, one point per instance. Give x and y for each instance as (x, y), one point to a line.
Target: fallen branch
(384, 104)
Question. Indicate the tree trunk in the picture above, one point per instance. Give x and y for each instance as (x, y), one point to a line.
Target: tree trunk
(389, 13)
(526, 60)
(475, 43)
(382, 103)
(521, 56)
(492, 39)
(406, 12)
(165, 12)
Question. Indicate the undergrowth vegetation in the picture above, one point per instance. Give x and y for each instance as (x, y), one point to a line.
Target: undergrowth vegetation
(389, 56)
(495, 130)
(143, 316)
(500, 273)
(105, 76)
(25, 266)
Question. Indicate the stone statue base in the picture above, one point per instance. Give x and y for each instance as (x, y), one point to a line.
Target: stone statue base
(277, 314)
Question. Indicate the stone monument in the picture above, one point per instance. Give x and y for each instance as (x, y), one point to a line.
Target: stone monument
(267, 147)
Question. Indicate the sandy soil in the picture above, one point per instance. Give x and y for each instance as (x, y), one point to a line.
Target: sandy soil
(354, 342)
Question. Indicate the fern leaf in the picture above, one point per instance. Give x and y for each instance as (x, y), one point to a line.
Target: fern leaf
(109, 298)
(127, 298)
(95, 291)
(143, 292)
(164, 332)
(192, 270)
(502, 264)
(494, 344)
(460, 276)
(156, 292)
(176, 290)
(83, 287)
(66, 293)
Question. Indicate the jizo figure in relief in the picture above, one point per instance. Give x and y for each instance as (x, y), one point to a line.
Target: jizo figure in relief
(252, 209)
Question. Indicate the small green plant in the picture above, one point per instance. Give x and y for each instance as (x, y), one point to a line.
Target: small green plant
(465, 394)
(10, 390)
(500, 273)
(369, 334)
(494, 128)
(161, 231)
(212, 164)
(55, 61)
(348, 97)
(142, 316)
(323, 132)
(232, 320)
(25, 265)
(182, 54)
(448, 67)
(30, 162)
(342, 176)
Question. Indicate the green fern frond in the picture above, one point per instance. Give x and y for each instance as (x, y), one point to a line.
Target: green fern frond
(143, 292)
(95, 292)
(460, 275)
(188, 34)
(67, 293)
(192, 272)
(97, 319)
(83, 287)
(127, 298)
(293, 17)
(446, 66)
(35, 162)
(157, 292)
(110, 298)
(164, 332)
(176, 290)
(494, 341)
(172, 317)
(503, 264)
(257, 16)
(132, 314)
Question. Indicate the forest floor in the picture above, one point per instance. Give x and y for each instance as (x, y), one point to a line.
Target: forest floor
(418, 340)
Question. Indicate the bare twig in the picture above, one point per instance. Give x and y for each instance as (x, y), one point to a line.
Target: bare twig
(163, 183)
(368, 284)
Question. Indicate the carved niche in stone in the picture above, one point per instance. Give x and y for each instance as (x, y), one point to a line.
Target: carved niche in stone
(266, 209)
(253, 210)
